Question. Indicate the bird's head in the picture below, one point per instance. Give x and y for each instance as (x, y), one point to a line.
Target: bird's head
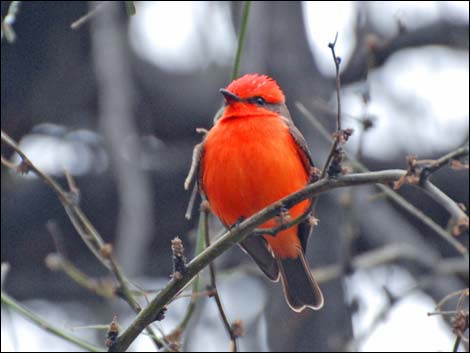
(252, 94)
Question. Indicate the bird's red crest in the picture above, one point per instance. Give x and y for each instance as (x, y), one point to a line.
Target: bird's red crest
(253, 85)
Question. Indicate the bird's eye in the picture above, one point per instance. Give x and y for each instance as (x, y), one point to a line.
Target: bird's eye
(260, 100)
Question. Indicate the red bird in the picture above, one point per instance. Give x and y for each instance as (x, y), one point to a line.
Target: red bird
(254, 156)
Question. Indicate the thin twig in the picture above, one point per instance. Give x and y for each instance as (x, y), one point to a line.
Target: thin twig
(59, 262)
(5, 270)
(449, 296)
(335, 153)
(241, 38)
(190, 178)
(196, 294)
(456, 345)
(337, 61)
(443, 313)
(446, 159)
(103, 288)
(336, 141)
(191, 202)
(20, 309)
(201, 244)
(89, 15)
(284, 225)
(213, 283)
(332, 165)
(193, 169)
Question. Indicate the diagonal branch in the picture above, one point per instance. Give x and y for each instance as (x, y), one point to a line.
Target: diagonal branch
(242, 231)
(82, 225)
(13, 304)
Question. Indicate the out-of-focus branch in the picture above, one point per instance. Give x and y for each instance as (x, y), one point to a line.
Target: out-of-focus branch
(20, 309)
(5, 271)
(130, 9)
(59, 262)
(394, 253)
(394, 196)
(89, 15)
(459, 315)
(387, 254)
(458, 216)
(82, 224)
(103, 288)
(377, 51)
(241, 38)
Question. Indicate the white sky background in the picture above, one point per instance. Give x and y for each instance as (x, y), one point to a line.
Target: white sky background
(175, 37)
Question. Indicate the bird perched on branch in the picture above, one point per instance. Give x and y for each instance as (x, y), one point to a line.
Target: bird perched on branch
(254, 156)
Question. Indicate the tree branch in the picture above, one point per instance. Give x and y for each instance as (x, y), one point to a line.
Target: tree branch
(393, 253)
(446, 159)
(457, 214)
(20, 309)
(337, 61)
(82, 225)
(242, 231)
(340, 137)
(227, 240)
(394, 196)
(241, 38)
(378, 51)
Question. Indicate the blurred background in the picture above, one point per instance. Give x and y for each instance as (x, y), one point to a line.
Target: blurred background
(116, 102)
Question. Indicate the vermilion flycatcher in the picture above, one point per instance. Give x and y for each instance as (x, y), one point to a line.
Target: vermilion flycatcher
(252, 157)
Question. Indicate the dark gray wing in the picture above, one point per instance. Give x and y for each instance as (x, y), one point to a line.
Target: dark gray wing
(305, 228)
(257, 248)
(299, 139)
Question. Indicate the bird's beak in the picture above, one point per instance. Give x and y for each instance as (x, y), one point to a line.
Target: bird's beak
(229, 96)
